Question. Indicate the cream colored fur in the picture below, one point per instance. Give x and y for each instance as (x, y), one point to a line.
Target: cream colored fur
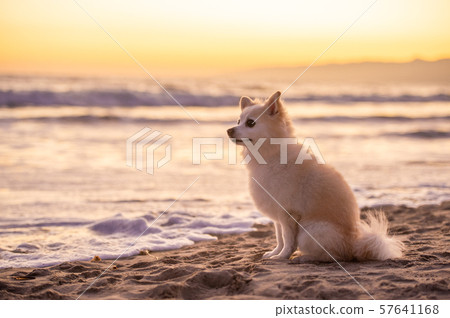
(315, 195)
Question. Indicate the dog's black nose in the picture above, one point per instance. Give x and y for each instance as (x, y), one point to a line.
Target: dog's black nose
(230, 132)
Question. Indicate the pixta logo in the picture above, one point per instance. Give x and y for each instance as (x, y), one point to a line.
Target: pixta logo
(148, 141)
(142, 145)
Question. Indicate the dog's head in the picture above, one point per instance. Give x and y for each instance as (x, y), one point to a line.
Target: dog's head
(266, 119)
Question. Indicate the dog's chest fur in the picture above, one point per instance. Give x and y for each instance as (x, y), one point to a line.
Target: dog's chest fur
(281, 186)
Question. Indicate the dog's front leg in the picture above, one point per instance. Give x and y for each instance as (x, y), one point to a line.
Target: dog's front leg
(289, 230)
(280, 244)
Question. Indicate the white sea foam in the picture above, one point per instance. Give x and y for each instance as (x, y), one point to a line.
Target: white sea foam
(110, 237)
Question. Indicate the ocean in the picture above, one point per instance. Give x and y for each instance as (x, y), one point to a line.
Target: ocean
(66, 192)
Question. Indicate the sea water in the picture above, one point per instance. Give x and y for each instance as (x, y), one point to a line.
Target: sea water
(66, 192)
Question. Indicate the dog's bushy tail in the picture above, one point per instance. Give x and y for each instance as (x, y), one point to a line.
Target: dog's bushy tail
(373, 242)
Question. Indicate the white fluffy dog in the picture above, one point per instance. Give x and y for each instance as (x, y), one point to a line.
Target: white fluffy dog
(311, 205)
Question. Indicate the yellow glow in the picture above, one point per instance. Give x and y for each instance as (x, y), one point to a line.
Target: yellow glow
(175, 37)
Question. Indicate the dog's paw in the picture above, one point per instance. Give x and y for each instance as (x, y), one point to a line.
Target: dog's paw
(271, 253)
(302, 259)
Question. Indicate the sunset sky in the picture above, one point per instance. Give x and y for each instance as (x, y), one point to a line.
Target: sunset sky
(203, 37)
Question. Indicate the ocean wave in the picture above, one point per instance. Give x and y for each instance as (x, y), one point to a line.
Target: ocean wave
(372, 118)
(425, 134)
(145, 120)
(110, 98)
(121, 225)
(372, 98)
(107, 98)
(117, 235)
(19, 224)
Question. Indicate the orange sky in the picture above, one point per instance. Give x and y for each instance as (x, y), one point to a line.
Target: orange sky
(202, 37)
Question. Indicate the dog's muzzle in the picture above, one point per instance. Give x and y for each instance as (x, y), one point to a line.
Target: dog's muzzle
(230, 132)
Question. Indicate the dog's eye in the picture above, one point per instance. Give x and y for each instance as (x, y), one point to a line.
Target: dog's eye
(239, 121)
(250, 123)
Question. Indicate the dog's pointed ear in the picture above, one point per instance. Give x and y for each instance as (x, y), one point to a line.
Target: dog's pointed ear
(245, 102)
(274, 103)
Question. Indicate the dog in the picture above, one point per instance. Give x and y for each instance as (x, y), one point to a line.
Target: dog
(312, 206)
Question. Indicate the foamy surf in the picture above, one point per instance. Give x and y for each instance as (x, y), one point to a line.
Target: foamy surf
(114, 236)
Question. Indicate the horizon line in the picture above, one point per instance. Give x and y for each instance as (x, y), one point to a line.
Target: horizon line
(129, 74)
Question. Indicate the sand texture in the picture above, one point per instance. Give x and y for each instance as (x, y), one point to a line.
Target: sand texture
(232, 268)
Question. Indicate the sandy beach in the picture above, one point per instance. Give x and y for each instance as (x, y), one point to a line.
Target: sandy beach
(232, 268)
